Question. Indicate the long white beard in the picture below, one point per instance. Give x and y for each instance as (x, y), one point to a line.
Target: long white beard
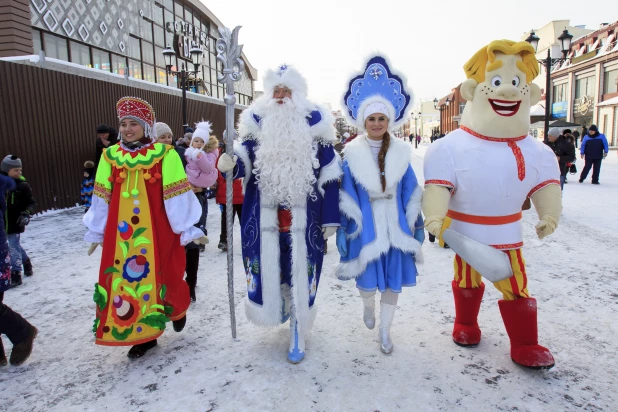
(286, 156)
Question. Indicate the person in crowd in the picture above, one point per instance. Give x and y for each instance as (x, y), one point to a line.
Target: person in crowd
(106, 137)
(576, 137)
(19, 331)
(164, 133)
(594, 149)
(143, 212)
(568, 135)
(291, 179)
(87, 184)
(20, 206)
(563, 149)
(237, 201)
(382, 229)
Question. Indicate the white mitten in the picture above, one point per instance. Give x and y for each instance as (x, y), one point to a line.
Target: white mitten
(202, 241)
(226, 163)
(328, 231)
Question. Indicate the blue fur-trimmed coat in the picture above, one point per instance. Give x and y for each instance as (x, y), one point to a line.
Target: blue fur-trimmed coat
(376, 221)
(260, 227)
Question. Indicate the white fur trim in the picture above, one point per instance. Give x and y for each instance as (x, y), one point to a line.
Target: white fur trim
(413, 208)
(350, 209)
(330, 173)
(269, 314)
(376, 107)
(375, 100)
(324, 130)
(290, 78)
(247, 126)
(365, 169)
(243, 155)
(388, 235)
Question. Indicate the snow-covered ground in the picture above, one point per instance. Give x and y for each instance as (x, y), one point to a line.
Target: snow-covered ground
(573, 274)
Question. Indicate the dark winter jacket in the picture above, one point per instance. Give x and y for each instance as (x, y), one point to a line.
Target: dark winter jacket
(181, 152)
(563, 149)
(113, 139)
(18, 201)
(6, 184)
(593, 147)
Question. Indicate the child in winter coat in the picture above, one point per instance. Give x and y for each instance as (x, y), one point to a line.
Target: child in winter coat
(87, 184)
(237, 202)
(201, 156)
(20, 206)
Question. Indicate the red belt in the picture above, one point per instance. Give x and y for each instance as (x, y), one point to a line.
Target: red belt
(484, 220)
(285, 220)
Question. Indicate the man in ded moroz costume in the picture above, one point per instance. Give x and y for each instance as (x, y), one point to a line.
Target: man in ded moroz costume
(291, 171)
(476, 180)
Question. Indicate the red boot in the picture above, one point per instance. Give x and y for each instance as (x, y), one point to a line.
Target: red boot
(520, 321)
(466, 331)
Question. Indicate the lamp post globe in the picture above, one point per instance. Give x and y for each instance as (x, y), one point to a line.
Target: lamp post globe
(533, 39)
(168, 53)
(565, 41)
(435, 103)
(196, 55)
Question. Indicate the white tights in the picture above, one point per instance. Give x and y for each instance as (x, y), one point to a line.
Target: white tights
(388, 297)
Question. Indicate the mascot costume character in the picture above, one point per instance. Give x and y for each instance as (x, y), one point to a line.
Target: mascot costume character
(291, 184)
(476, 180)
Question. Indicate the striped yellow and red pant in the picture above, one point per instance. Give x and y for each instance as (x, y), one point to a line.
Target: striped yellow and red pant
(512, 288)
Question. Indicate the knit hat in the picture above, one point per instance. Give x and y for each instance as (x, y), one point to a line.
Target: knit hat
(161, 129)
(10, 162)
(202, 130)
(103, 128)
(593, 128)
(189, 129)
(554, 131)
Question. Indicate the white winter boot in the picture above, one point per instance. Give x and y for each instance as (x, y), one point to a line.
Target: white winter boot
(369, 314)
(387, 313)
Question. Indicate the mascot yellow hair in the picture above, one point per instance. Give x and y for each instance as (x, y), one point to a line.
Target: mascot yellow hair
(485, 59)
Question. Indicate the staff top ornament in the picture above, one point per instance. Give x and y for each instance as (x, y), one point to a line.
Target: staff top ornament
(377, 86)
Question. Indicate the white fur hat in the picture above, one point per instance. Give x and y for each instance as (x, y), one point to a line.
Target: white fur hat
(287, 76)
(202, 130)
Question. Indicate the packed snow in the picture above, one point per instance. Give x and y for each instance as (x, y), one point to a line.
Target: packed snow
(573, 274)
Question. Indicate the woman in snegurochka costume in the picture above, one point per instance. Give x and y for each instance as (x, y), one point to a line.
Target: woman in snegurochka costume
(143, 211)
(381, 229)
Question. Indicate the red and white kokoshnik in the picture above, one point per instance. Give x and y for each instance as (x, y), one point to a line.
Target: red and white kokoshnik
(135, 107)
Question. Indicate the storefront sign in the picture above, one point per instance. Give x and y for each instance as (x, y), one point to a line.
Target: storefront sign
(184, 35)
(583, 105)
(559, 110)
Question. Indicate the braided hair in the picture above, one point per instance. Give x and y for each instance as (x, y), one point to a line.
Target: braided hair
(386, 141)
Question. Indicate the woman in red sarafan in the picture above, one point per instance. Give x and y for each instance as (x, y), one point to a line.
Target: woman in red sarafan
(143, 212)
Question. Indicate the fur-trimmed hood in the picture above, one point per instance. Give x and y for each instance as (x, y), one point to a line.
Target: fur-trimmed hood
(365, 169)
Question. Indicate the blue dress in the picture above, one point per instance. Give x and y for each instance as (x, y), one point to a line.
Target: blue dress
(380, 224)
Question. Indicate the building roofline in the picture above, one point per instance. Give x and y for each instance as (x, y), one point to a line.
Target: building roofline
(199, 5)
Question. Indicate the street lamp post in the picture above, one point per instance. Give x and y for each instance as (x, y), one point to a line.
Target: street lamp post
(565, 44)
(183, 74)
(441, 108)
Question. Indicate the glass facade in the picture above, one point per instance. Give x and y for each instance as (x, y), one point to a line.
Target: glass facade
(141, 53)
(610, 81)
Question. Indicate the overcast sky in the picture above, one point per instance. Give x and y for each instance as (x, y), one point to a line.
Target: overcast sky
(428, 41)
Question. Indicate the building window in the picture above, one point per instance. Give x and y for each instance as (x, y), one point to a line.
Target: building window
(55, 47)
(179, 10)
(159, 58)
(585, 87)
(157, 15)
(188, 16)
(134, 48)
(149, 73)
(610, 82)
(80, 54)
(159, 36)
(119, 64)
(147, 52)
(135, 69)
(100, 60)
(169, 4)
(146, 30)
(461, 107)
(36, 41)
(161, 76)
(559, 93)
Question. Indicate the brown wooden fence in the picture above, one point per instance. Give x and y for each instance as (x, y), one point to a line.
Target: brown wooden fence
(48, 119)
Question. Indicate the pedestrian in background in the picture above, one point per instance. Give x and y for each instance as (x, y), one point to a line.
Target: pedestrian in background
(87, 184)
(594, 149)
(19, 207)
(576, 137)
(237, 201)
(106, 137)
(12, 324)
(563, 149)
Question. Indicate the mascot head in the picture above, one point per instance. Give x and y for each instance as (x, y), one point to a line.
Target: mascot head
(499, 89)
